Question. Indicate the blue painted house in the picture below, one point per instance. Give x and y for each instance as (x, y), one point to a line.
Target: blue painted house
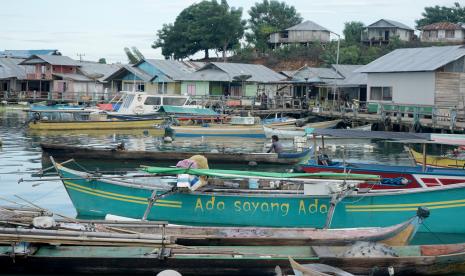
(153, 76)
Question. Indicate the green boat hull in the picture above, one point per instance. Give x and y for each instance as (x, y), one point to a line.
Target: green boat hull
(97, 198)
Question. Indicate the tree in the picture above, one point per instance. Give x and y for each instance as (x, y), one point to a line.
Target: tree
(201, 27)
(268, 17)
(229, 28)
(102, 61)
(437, 13)
(352, 32)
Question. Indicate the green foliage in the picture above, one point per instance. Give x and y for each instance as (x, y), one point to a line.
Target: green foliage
(437, 13)
(102, 61)
(268, 17)
(200, 27)
(353, 31)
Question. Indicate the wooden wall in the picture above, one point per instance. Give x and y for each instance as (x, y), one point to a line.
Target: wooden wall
(450, 90)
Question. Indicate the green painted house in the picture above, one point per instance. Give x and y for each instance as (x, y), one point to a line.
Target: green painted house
(234, 79)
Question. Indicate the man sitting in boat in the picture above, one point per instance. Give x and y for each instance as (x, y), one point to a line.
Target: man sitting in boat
(276, 146)
(192, 182)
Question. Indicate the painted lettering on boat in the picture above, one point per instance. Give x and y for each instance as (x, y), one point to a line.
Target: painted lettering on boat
(252, 207)
(312, 208)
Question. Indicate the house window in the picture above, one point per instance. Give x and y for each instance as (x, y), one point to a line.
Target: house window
(378, 93)
(140, 87)
(450, 33)
(434, 34)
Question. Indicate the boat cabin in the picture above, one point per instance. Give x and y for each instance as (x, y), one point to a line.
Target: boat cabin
(139, 103)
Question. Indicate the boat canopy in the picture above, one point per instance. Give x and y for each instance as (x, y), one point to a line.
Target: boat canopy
(187, 110)
(254, 174)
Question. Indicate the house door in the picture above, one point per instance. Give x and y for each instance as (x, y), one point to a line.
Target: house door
(386, 35)
(363, 94)
(191, 89)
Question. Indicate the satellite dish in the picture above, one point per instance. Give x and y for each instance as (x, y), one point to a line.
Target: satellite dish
(95, 76)
(242, 77)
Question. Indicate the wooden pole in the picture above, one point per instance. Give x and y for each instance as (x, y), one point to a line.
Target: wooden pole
(315, 149)
(424, 157)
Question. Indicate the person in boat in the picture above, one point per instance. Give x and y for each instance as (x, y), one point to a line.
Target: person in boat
(459, 152)
(276, 146)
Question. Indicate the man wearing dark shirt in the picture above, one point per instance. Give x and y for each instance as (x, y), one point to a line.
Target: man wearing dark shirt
(276, 146)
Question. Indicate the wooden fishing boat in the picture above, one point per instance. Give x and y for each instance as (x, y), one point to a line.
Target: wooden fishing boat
(143, 233)
(316, 269)
(92, 125)
(289, 132)
(42, 258)
(436, 160)
(299, 200)
(220, 130)
(83, 152)
(84, 120)
(393, 176)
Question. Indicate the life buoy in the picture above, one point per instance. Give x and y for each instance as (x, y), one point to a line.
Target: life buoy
(138, 109)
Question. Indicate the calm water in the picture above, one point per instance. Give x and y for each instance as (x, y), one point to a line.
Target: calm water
(21, 156)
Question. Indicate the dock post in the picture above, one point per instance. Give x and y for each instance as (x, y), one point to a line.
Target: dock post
(453, 118)
(424, 157)
(434, 116)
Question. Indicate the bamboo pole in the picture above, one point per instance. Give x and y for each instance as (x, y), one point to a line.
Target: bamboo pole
(424, 157)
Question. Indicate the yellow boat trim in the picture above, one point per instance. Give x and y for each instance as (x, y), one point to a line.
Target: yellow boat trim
(404, 209)
(406, 204)
(119, 197)
(110, 197)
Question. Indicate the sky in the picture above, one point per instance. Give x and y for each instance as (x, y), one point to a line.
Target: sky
(102, 28)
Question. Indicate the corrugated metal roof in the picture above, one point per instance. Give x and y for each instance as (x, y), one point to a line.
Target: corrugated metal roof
(350, 74)
(442, 26)
(53, 60)
(10, 68)
(307, 26)
(74, 77)
(175, 69)
(315, 73)
(220, 71)
(90, 68)
(128, 68)
(414, 59)
(288, 73)
(27, 53)
(139, 73)
(387, 23)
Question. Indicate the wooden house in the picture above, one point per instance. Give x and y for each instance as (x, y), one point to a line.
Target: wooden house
(13, 77)
(323, 85)
(155, 76)
(431, 76)
(232, 79)
(67, 79)
(303, 33)
(443, 32)
(384, 30)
